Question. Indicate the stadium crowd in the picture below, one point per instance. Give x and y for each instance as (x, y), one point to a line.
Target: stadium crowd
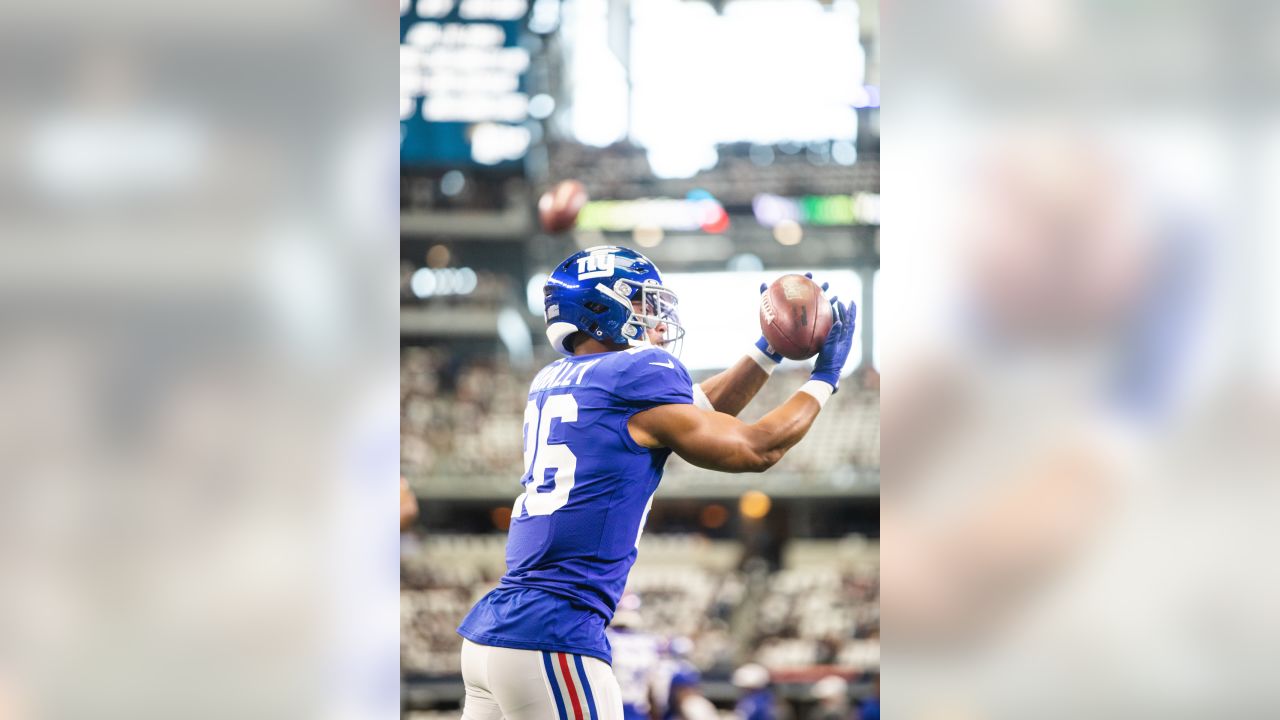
(462, 418)
(807, 614)
(813, 615)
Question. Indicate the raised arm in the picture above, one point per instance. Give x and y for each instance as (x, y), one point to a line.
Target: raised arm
(722, 442)
(732, 390)
(718, 441)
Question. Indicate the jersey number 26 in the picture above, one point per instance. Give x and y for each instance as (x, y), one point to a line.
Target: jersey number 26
(539, 457)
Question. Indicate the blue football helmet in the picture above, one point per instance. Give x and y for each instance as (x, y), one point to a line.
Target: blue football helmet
(612, 294)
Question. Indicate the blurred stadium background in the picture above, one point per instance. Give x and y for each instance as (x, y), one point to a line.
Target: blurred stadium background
(731, 141)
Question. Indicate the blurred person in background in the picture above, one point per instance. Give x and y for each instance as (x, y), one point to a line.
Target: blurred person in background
(832, 694)
(636, 656)
(869, 707)
(408, 505)
(757, 701)
(678, 691)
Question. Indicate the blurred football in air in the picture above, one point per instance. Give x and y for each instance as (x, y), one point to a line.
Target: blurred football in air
(795, 317)
(559, 206)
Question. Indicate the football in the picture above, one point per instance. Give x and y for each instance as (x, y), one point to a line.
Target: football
(559, 206)
(795, 317)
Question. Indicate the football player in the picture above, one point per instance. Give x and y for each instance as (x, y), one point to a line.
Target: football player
(598, 428)
(636, 655)
(757, 701)
(678, 694)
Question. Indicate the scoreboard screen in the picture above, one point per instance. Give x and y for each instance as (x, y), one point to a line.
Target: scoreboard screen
(463, 99)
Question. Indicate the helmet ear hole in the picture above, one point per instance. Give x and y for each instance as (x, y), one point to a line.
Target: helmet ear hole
(595, 307)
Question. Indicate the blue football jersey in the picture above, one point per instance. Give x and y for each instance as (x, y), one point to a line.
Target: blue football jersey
(757, 705)
(674, 674)
(588, 487)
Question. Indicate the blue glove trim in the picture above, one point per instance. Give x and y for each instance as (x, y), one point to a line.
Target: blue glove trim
(763, 346)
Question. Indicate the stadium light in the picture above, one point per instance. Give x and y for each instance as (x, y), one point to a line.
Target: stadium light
(466, 281)
(445, 284)
(544, 18)
(541, 106)
(451, 184)
(423, 283)
(788, 232)
(844, 152)
(647, 236)
(754, 504)
(533, 293)
(713, 516)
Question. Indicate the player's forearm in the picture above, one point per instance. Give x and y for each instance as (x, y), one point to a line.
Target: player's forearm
(732, 390)
(784, 426)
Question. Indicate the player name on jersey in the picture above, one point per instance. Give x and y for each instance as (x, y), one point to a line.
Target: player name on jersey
(562, 374)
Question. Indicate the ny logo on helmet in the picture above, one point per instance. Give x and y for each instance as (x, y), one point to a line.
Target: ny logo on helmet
(595, 265)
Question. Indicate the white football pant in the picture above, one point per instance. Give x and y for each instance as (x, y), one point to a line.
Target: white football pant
(509, 684)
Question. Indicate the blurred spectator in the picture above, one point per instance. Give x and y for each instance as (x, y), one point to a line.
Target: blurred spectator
(823, 611)
(636, 659)
(408, 505)
(832, 694)
(869, 708)
(678, 691)
(757, 701)
(459, 419)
